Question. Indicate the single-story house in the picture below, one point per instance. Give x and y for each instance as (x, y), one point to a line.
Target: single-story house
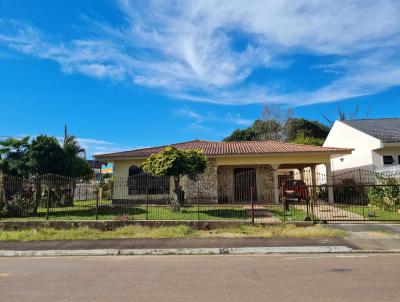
(261, 161)
(375, 144)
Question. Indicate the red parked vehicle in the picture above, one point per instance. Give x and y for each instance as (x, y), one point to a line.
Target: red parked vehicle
(294, 189)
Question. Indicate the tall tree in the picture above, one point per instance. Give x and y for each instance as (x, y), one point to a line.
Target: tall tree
(269, 127)
(43, 155)
(46, 156)
(295, 127)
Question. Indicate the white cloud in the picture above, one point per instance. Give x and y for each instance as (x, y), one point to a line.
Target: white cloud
(96, 146)
(199, 119)
(206, 50)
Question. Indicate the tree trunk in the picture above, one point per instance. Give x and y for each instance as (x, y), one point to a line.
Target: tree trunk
(178, 190)
(38, 193)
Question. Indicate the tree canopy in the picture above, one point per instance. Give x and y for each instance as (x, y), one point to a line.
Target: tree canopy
(42, 155)
(295, 127)
(176, 163)
(288, 131)
(308, 140)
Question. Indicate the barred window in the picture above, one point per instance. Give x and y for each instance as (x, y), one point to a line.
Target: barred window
(140, 182)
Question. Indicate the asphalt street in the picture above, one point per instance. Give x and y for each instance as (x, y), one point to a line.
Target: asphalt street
(296, 277)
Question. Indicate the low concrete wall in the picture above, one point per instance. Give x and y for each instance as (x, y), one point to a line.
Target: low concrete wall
(107, 225)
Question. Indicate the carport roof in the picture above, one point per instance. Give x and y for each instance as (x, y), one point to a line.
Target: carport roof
(212, 148)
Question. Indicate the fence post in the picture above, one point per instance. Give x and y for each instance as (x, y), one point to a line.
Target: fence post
(48, 204)
(147, 201)
(283, 203)
(198, 202)
(362, 204)
(313, 201)
(98, 197)
(252, 204)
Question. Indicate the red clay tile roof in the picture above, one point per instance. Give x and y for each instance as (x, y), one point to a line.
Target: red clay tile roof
(229, 148)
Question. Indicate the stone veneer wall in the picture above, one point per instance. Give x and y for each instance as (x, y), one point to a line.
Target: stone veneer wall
(206, 186)
(264, 182)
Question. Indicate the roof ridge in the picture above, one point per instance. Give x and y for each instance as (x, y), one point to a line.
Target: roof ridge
(371, 119)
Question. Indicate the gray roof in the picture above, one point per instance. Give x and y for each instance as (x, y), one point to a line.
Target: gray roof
(385, 129)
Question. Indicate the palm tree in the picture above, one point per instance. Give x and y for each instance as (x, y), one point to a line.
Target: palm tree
(72, 147)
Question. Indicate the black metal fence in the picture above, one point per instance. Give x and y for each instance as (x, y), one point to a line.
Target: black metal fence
(244, 194)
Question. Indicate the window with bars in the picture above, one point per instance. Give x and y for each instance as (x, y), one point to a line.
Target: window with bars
(140, 182)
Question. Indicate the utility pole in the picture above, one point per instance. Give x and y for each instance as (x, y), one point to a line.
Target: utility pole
(65, 133)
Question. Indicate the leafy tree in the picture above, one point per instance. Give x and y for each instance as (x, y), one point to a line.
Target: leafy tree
(247, 134)
(260, 130)
(176, 163)
(42, 156)
(46, 156)
(295, 127)
(308, 140)
(269, 127)
(268, 130)
(13, 160)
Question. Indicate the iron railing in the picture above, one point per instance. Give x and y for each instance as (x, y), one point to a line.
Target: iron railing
(244, 195)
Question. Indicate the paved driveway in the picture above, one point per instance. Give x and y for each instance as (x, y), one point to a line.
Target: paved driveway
(331, 212)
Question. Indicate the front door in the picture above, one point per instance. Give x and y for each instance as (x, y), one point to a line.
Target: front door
(245, 184)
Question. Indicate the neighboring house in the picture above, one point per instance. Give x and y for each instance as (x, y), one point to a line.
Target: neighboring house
(261, 161)
(100, 167)
(376, 144)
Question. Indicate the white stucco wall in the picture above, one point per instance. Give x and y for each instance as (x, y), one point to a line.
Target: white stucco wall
(344, 136)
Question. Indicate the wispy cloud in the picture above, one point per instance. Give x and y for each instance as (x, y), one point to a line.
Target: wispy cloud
(199, 118)
(96, 146)
(193, 49)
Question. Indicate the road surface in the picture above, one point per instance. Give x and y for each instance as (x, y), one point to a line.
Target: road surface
(350, 277)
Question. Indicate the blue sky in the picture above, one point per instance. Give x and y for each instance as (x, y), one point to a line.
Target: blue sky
(126, 74)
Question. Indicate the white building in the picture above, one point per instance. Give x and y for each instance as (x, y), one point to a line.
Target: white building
(376, 144)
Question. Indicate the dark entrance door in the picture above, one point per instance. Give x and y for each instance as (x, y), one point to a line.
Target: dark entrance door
(245, 183)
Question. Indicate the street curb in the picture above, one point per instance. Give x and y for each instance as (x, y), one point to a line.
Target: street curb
(182, 251)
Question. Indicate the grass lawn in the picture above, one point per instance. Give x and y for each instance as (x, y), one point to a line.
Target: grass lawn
(86, 210)
(379, 214)
(181, 231)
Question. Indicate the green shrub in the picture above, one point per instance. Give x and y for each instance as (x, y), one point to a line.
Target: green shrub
(107, 186)
(385, 197)
(19, 206)
(57, 197)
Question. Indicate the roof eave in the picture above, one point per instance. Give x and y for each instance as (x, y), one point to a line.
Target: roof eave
(341, 151)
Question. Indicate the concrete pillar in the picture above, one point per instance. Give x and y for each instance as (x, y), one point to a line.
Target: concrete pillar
(301, 170)
(313, 182)
(276, 183)
(313, 176)
(329, 182)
